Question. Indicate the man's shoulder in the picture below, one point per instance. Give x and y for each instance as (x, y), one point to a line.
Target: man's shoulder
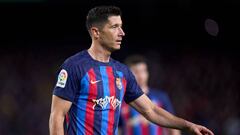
(118, 63)
(77, 58)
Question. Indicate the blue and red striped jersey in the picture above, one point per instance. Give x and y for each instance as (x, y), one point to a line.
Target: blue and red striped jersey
(133, 123)
(96, 90)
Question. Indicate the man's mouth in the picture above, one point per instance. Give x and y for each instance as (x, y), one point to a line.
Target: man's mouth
(119, 41)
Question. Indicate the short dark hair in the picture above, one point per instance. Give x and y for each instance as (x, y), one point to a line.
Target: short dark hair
(135, 59)
(98, 16)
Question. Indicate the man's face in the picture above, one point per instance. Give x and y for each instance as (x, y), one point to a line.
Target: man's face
(140, 72)
(111, 34)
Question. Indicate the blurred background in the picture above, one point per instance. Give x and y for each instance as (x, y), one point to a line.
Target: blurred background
(193, 48)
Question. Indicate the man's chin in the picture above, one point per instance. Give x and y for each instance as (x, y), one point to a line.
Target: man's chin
(115, 48)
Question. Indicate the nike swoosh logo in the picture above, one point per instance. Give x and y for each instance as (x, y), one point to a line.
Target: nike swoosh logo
(93, 82)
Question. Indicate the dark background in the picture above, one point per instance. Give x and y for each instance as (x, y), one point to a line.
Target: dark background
(200, 71)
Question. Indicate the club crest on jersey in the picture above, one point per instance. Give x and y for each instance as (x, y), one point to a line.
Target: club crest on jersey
(62, 78)
(119, 83)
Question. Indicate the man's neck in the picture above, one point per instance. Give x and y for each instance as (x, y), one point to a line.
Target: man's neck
(99, 53)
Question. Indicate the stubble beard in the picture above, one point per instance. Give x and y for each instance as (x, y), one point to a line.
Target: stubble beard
(110, 48)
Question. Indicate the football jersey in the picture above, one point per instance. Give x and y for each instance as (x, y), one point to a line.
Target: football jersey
(96, 90)
(133, 123)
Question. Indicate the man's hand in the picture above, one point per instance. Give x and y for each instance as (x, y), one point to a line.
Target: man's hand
(199, 130)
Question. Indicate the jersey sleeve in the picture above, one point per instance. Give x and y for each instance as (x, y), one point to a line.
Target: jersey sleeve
(67, 82)
(133, 91)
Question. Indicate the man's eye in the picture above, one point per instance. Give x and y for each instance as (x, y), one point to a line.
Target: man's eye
(114, 26)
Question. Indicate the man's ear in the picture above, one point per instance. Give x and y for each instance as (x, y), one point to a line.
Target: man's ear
(95, 32)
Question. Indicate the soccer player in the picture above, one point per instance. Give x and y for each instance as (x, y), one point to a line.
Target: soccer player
(132, 122)
(91, 86)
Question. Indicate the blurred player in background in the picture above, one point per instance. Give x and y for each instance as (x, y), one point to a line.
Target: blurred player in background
(132, 122)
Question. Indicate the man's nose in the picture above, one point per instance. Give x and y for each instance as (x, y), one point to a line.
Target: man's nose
(121, 32)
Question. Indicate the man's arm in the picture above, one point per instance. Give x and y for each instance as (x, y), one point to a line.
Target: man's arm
(174, 132)
(163, 118)
(169, 107)
(58, 111)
